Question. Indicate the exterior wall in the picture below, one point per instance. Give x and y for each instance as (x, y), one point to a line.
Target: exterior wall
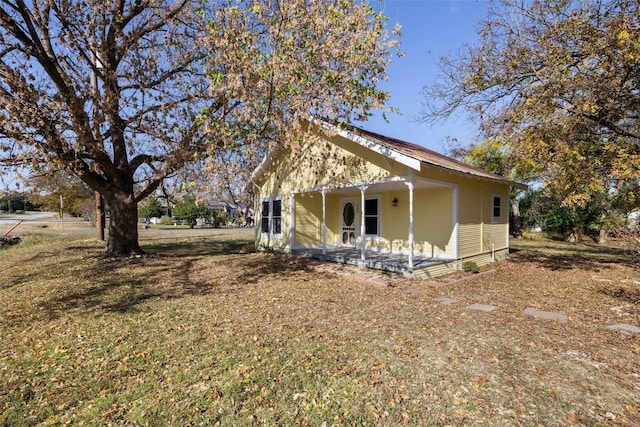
(308, 221)
(316, 162)
(449, 267)
(478, 231)
(432, 218)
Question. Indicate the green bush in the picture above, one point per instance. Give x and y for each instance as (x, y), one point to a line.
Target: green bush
(166, 220)
(150, 208)
(470, 267)
(191, 209)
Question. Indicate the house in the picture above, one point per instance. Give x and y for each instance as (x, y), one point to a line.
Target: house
(344, 194)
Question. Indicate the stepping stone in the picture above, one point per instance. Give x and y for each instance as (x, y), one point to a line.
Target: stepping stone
(482, 307)
(414, 291)
(623, 327)
(549, 315)
(445, 300)
(598, 279)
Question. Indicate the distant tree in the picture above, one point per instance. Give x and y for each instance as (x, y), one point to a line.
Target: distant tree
(558, 81)
(541, 208)
(17, 201)
(48, 188)
(150, 208)
(190, 209)
(87, 209)
(124, 94)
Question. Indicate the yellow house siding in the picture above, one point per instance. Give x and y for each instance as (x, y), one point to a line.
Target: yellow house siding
(308, 221)
(432, 216)
(316, 162)
(478, 230)
(378, 165)
(432, 212)
(494, 237)
(470, 239)
(333, 219)
(441, 269)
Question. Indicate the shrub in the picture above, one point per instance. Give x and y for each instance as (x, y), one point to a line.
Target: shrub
(166, 220)
(630, 236)
(470, 267)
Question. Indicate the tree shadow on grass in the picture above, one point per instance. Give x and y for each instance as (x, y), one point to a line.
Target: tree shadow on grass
(249, 269)
(111, 296)
(567, 257)
(122, 285)
(200, 246)
(630, 296)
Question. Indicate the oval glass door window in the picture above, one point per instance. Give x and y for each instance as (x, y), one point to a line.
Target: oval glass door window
(348, 214)
(345, 237)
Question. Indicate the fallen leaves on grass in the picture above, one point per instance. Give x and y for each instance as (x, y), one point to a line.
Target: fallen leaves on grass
(257, 338)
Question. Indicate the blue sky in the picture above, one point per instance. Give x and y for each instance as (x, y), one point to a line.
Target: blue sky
(431, 29)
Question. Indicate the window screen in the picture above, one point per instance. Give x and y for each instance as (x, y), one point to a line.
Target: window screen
(264, 227)
(276, 217)
(371, 217)
(497, 206)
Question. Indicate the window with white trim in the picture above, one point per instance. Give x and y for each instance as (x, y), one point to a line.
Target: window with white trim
(271, 214)
(372, 217)
(497, 207)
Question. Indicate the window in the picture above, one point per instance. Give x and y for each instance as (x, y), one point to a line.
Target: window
(497, 207)
(265, 217)
(271, 214)
(276, 217)
(371, 217)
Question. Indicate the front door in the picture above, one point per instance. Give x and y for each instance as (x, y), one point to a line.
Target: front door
(349, 222)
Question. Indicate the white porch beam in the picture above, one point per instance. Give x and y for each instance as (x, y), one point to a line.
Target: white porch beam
(362, 228)
(292, 218)
(357, 184)
(410, 258)
(324, 222)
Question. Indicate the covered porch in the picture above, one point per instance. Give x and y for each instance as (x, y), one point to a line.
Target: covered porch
(374, 224)
(395, 263)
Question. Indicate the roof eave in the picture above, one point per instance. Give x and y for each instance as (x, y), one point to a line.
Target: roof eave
(496, 179)
(385, 151)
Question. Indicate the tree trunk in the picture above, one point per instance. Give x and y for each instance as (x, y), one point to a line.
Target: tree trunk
(603, 232)
(516, 226)
(123, 227)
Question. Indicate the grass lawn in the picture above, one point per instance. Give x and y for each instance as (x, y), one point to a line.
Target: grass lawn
(209, 333)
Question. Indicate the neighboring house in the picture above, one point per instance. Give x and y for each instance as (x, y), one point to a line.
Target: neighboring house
(349, 195)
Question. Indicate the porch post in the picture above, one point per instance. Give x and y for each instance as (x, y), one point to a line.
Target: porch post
(410, 260)
(292, 219)
(324, 222)
(362, 228)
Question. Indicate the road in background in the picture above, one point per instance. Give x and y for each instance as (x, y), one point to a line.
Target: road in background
(49, 222)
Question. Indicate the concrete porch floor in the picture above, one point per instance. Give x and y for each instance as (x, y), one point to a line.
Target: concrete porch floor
(396, 263)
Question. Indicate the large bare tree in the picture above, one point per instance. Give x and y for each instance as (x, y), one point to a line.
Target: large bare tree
(124, 93)
(559, 81)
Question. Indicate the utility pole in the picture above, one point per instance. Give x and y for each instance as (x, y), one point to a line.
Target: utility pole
(100, 217)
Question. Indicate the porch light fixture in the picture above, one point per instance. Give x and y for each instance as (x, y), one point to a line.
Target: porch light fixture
(394, 202)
